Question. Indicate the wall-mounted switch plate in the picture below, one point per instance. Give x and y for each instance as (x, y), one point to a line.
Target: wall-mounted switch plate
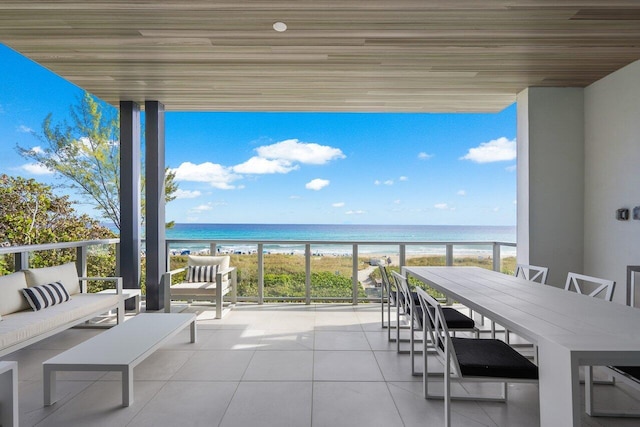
(636, 212)
(622, 214)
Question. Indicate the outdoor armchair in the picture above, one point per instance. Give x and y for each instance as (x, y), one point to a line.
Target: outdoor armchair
(208, 278)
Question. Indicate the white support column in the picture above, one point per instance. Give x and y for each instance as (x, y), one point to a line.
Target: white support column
(551, 179)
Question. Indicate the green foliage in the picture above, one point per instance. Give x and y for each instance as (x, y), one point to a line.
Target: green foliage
(284, 275)
(31, 214)
(86, 153)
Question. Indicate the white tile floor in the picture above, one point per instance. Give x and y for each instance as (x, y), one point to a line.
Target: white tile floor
(272, 365)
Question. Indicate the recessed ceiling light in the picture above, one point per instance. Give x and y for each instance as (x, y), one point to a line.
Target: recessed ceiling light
(280, 27)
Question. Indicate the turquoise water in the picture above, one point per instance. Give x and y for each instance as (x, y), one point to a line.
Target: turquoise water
(349, 233)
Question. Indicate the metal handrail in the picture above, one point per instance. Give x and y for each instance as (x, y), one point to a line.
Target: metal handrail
(21, 252)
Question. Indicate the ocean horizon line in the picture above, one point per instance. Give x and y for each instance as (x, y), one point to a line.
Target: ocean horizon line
(287, 238)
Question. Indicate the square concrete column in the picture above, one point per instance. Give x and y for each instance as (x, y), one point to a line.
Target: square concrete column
(130, 163)
(155, 203)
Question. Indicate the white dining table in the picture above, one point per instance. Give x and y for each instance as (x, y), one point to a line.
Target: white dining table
(570, 330)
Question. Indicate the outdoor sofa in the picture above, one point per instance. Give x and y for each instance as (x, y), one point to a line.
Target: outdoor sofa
(22, 325)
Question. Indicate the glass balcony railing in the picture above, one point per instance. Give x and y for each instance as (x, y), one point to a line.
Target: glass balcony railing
(280, 271)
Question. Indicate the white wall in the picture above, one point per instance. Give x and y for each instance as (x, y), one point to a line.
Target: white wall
(551, 180)
(612, 176)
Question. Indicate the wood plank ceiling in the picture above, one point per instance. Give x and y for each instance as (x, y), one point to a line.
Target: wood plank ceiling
(337, 55)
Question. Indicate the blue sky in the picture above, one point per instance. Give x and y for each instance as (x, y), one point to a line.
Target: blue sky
(299, 167)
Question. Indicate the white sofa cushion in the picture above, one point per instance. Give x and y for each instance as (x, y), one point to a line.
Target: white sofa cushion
(65, 274)
(24, 325)
(11, 299)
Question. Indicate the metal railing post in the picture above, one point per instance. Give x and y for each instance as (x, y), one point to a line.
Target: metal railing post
(167, 255)
(20, 261)
(448, 255)
(307, 275)
(496, 256)
(260, 274)
(117, 270)
(354, 275)
(213, 248)
(403, 255)
(81, 261)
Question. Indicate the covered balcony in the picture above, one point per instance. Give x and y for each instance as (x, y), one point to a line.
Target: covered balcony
(572, 68)
(274, 365)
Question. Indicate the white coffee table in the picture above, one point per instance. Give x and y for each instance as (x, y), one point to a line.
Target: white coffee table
(9, 394)
(120, 348)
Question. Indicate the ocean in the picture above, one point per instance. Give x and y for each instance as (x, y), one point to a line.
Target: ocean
(285, 235)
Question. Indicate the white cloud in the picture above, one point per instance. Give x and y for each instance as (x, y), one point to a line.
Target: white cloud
(316, 184)
(497, 150)
(441, 206)
(37, 150)
(403, 178)
(461, 193)
(186, 194)
(260, 165)
(295, 197)
(25, 129)
(356, 212)
(496, 209)
(201, 208)
(511, 168)
(376, 182)
(302, 152)
(216, 175)
(36, 169)
(424, 156)
(388, 182)
(397, 202)
(338, 204)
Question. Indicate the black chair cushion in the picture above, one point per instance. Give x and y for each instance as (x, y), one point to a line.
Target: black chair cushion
(633, 371)
(453, 318)
(492, 358)
(457, 320)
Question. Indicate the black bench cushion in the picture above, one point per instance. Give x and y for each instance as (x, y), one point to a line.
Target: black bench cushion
(492, 358)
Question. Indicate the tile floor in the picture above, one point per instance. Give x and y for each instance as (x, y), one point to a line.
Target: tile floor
(272, 365)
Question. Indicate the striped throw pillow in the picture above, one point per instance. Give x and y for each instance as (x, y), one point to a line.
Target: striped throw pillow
(43, 296)
(202, 273)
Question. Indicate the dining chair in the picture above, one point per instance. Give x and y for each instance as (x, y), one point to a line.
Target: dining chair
(456, 321)
(532, 273)
(595, 287)
(590, 286)
(469, 359)
(389, 294)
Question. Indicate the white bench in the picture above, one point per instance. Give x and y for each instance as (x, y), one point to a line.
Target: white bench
(120, 348)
